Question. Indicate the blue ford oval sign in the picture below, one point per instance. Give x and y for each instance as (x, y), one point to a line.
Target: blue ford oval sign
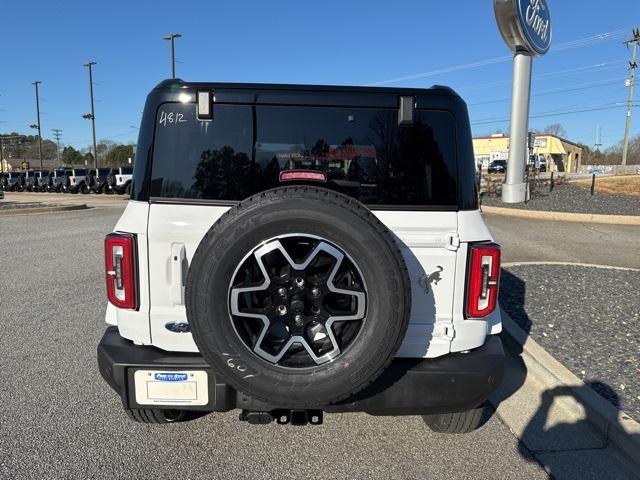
(536, 24)
(524, 24)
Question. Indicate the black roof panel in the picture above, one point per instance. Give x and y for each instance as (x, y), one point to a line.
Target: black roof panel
(338, 95)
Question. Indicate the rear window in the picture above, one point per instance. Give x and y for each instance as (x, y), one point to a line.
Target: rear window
(126, 170)
(81, 172)
(362, 152)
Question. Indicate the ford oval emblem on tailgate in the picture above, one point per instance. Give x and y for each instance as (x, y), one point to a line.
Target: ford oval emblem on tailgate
(171, 377)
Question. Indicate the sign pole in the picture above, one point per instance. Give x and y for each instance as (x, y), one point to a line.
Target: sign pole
(514, 190)
(525, 26)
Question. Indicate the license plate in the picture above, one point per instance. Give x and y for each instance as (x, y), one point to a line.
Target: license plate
(163, 387)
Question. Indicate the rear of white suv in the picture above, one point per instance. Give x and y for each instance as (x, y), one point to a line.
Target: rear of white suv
(229, 164)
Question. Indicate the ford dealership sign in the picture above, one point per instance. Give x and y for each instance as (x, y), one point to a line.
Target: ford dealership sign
(524, 24)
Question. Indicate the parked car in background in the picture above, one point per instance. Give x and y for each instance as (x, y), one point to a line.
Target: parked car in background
(497, 166)
(43, 179)
(3, 181)
(539, 162)
(34, 178)
(98, 180)
(120, 180)
(543, 165)
(29, 180)
(76, 181)
(15, 181)
(58, 179)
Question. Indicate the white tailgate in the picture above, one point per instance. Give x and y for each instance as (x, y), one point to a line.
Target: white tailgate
(427, 240)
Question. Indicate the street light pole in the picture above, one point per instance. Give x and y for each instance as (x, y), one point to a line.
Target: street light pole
(171, 37)
(93, 116)
(36, 83)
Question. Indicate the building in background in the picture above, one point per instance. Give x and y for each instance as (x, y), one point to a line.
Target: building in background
(559, 155)
(5, 166)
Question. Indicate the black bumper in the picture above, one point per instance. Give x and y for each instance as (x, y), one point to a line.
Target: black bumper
(454, 383)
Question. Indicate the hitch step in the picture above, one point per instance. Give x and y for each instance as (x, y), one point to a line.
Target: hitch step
(283, 417)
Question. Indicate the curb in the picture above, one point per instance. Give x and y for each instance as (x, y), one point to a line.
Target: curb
(615, 426)
(9, 212)
(563, 216)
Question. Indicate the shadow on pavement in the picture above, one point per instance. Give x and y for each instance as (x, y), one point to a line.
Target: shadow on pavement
(563, 441)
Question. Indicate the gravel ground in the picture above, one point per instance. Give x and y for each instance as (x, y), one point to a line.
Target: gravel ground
(59, 419)
(587, 318)
(570, 198)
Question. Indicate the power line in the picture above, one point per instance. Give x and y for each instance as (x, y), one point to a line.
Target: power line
(582, 42)
(552, 113)
(584, 86)
(558, 73)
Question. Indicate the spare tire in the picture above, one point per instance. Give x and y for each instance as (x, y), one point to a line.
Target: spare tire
(298, 297)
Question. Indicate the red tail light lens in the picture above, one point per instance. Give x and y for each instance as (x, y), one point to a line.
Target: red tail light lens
(120, 268)
(483, 279)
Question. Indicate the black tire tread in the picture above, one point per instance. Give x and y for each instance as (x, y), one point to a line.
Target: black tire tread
(145, 415)
(157, 416)
(460, 422)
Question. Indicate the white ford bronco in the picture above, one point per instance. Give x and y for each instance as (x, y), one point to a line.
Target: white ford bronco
(291, 251)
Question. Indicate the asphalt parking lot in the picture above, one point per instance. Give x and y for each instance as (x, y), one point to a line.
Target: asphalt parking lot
(527, 240)
(60, 420)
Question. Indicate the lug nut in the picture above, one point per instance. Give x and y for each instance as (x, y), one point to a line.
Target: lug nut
(282, 291)
(299, 282)
(298, 320)
(281, 310)
(315, 291)
(315, 310)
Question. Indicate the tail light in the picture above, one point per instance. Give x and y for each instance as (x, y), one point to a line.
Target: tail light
(483, 278)
(120, 268)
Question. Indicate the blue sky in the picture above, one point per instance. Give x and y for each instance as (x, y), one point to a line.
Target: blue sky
(330, 42)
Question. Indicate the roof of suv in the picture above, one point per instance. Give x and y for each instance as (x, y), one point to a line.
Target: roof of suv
(337, 95)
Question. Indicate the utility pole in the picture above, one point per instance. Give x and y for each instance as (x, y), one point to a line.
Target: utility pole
(57, 133)
(171, 37)
(92, 115)
(1, 155)
(36, 83)
(632, 70)
(598, 143)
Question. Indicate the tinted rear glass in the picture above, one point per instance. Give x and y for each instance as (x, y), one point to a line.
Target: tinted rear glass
(362, 152)
(81, 172)
(127, 170)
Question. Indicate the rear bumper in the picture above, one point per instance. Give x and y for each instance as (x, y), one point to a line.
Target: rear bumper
(454, 383)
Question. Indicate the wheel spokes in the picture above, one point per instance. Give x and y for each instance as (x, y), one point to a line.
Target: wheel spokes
(290, 300)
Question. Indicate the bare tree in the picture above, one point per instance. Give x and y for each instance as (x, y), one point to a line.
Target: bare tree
(556, 129)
